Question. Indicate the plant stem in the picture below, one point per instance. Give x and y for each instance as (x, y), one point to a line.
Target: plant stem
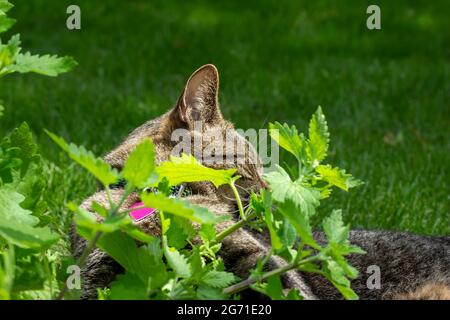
(250, 280)
(238, 200)
(233, 228)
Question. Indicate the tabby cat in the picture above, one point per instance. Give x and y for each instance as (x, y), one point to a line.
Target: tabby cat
(411, 266)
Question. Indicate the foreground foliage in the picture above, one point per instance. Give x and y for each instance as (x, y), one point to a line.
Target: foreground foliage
(179, 267)
(27, 266)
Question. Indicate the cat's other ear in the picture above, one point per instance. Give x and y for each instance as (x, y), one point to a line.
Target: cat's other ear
(199, 100)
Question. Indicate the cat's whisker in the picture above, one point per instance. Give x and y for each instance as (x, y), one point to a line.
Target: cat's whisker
(244, 189)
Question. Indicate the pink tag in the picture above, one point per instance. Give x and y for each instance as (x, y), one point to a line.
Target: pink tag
(141, 213)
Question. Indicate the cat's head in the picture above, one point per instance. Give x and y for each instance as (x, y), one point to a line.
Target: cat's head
(196, 126)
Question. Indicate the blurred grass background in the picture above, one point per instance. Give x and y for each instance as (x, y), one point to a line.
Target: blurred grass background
(385, 93)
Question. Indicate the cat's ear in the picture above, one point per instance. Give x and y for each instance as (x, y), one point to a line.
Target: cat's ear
(199, 100)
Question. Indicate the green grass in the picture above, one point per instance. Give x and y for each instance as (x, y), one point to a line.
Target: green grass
(385, 93)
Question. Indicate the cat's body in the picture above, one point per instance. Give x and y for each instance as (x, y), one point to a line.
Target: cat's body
(410, 266)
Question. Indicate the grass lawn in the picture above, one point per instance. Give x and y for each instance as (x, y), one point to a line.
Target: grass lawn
(385, 93)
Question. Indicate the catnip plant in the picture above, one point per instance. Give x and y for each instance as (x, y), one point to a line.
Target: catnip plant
(177, 267)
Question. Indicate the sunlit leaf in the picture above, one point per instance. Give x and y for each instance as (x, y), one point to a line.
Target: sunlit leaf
(187, 169)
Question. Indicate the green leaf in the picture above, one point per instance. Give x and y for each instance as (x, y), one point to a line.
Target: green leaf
(46, 65)
(140, 164)
(294, 294)
(306, 198)
(334, 228)
(177, 262)
(5, 24)
(180, 231)
(30, 273)
(288, 138)
(336, 268)
(136, 233)
(145, 262)
(96, 166)
(9, 52)
(5, 6)
(22, 138)
(335, 274)
(128, 286)
(299, 220)
(319, 137)
(287, 233)
(218, 279)
(337, 177)
(2, 109)
(205, 292)
(207, 233)
(181, 208)
(181, 290)
(196, 263)
(18, 226)
(338, 234)
(273, 288)
(89, 220)
(187, 169)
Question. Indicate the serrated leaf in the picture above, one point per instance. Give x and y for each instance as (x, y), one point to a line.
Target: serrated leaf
(205, 292)
(181, 208)
(337, 177)
(218, 279)
(306, 198)
(334, 273)
(5, 6)
(47, 65)
(13, 46)
(5, 24)
(334, 228)
(338, 234)
(140, 164)
(336, 267)
(22, 138)
(196, 263)
(18, 226)
(177, 262)
(187, 169)
(179, 232)
(96, 166)
(319, 137)
(9, 52)
(181, 291)
(288, 138)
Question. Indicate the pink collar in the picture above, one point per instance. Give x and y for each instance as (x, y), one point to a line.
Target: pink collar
(142, 212)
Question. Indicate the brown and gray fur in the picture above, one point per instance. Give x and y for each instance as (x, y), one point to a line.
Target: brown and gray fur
(412, 267)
